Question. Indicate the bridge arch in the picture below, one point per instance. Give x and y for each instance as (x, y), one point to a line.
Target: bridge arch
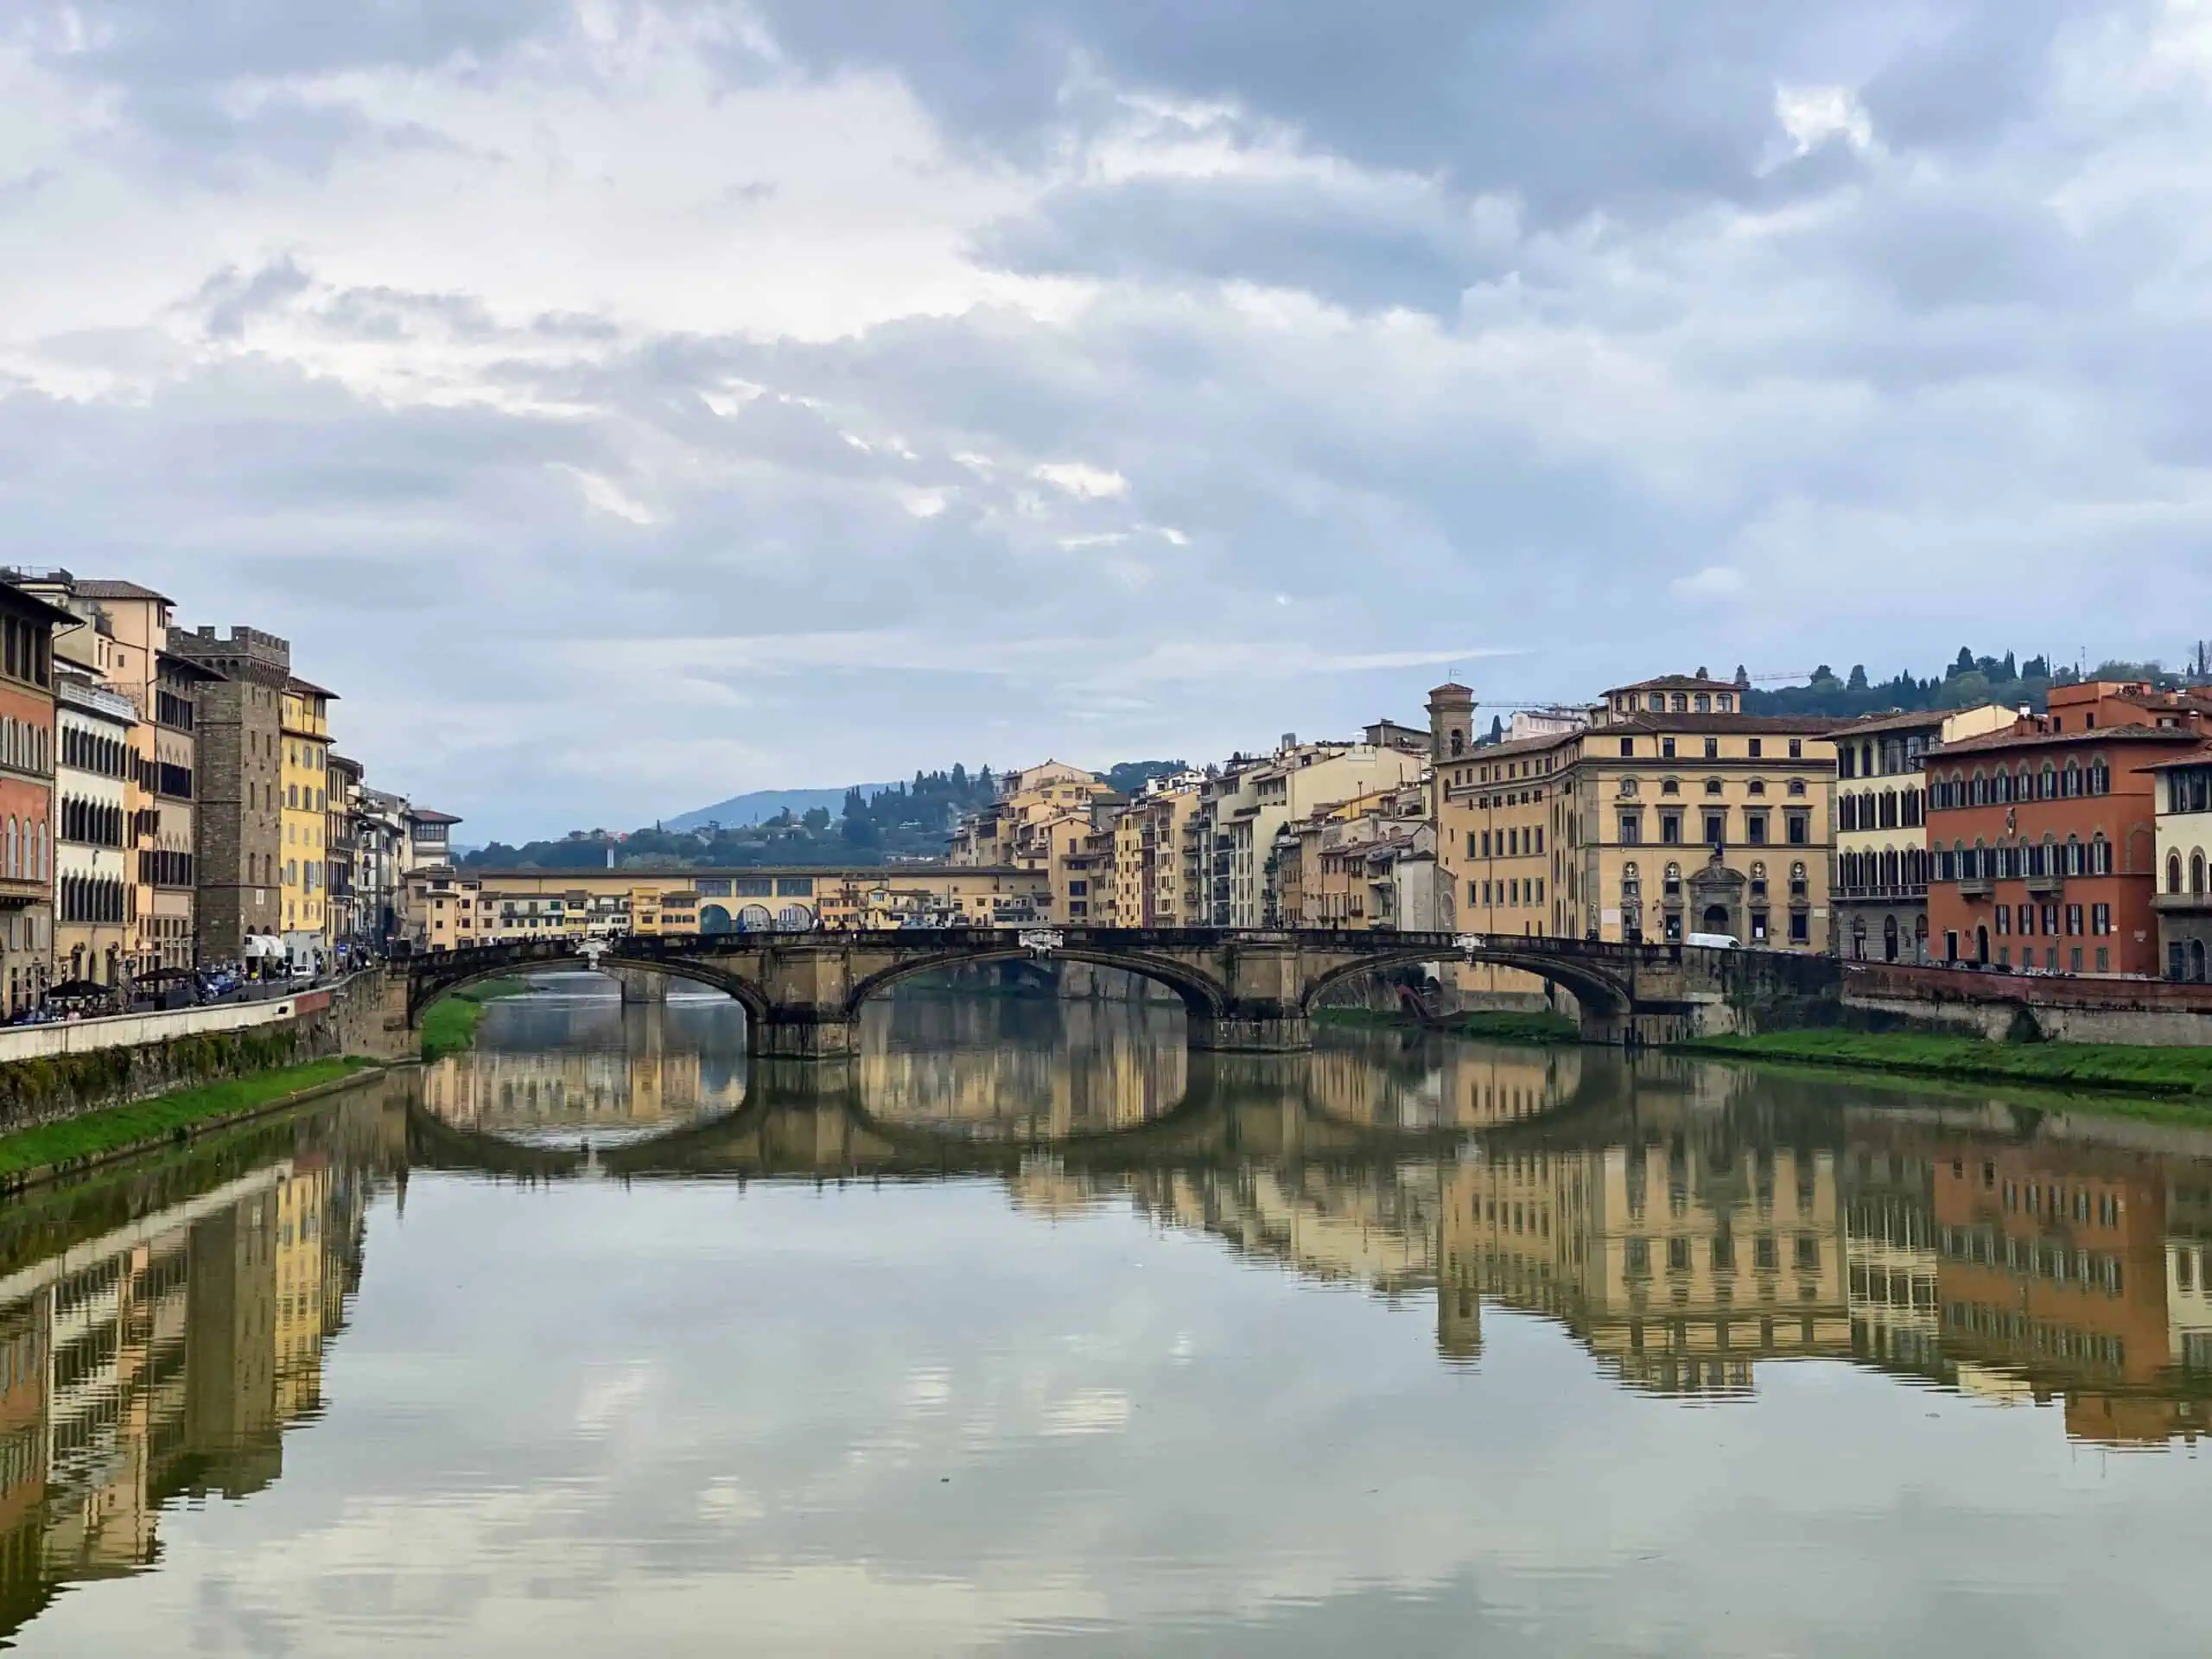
(1598, 992)
(1201, 996)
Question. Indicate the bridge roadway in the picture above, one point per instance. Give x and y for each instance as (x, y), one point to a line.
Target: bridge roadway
(1244, 991)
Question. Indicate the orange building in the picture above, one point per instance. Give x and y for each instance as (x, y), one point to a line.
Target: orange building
(2041, 839)
(27, 628)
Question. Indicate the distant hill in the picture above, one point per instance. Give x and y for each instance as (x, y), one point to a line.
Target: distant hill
(740, 812)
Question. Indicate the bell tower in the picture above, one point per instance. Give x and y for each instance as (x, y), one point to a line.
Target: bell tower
(1451, 721)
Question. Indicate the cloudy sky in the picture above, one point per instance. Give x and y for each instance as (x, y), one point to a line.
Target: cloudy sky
(625, 403)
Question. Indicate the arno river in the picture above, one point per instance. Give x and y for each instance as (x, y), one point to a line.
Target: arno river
(1027, 1333)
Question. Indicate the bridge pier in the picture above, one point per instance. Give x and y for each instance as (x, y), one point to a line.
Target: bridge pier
(638, 985)
(1264, 1032)
(804, 1033)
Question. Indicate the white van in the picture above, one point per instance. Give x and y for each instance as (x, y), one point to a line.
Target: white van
(1716, 941)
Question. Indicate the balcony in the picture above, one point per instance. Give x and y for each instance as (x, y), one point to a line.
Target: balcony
(1976, 886)
(2050, 883)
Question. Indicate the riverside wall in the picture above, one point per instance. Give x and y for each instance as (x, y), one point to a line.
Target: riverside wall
(92, 1064)
(2025, 1008)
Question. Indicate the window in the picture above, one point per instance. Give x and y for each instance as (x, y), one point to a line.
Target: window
(1712, 786)
(1628, 748)
(1716, 829)
(1801, 927)
(1670, 828)
(1712, 748)
(1757, 747)
(1801, 829)
(1631, 829)
(2101, 919)
(1667, 748)
(1755, 828)
(1797, 748)
(2074, 925)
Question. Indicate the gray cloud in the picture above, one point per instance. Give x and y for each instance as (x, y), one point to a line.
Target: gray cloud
(693, 406)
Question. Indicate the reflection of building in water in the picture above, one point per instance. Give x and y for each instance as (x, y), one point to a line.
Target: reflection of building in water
(2054, 1264)
(1707, 1256)
(163, 1358)
(1515, 1227)
(1373, 1227)
(646, 1075)
(2189, 1274)
(1046, 1068)
(2034, 1271)
(1890, 1256)
(1435, 1082)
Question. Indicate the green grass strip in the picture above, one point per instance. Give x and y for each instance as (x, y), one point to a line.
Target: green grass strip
(2171, 1072)
(449, 1024)
(88, 1136)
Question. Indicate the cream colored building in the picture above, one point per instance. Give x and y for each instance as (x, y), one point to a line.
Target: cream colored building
(1674, 812)
(2183, 900)
(1245, 808)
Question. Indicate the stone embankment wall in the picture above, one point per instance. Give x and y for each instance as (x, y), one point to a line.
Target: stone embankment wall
(2017, 1007)
(95, 1064)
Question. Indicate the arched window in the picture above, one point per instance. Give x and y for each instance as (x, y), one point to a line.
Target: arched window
(2099, 778)
(2073, 786)
(2073, 866)
(2173, 871)
(2100, 857)
(2195, 873)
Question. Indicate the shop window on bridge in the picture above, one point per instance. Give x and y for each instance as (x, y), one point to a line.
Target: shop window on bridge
(753, 887)
(794, 886)
(713, 888)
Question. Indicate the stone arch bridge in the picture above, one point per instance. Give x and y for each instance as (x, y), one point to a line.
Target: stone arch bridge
(1243, 991)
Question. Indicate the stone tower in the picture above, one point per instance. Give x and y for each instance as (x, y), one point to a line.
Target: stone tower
(1451, 721)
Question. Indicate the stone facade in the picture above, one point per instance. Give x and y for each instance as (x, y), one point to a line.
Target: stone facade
(240, 823)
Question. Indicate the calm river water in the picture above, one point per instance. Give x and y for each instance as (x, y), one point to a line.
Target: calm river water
(1027, 1334)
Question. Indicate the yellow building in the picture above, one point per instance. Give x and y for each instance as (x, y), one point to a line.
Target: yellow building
(304, 721)
(1148, 884)
(1672, 813)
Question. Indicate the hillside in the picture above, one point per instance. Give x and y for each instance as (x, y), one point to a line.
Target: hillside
(741, 812)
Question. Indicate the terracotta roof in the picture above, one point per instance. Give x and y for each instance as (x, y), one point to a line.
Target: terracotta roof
(95, 587)
(1488, 751)
(1747, 725)
(2197, 760)
(424, 815)
(295, 684)
(2004, 741)
(1678, 683)
(1901, 721)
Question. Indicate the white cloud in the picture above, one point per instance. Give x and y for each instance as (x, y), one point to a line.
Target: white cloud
(1081, 479)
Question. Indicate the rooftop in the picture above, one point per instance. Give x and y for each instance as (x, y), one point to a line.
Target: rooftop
(1924, 719)
(2000, 742)
(101, 587)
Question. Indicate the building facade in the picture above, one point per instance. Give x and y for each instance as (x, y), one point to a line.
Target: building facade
(2043, 839)
(1880, 885)
(239, 825)
(342, 839)
(95, 888)
(27, 704)
(2183, 904)
(304, 775)
(1671, 812)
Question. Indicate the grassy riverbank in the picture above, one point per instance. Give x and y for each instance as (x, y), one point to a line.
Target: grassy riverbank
(2183, 1073)
(164, 1116)
(449, 1024)
(1488, 1026)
